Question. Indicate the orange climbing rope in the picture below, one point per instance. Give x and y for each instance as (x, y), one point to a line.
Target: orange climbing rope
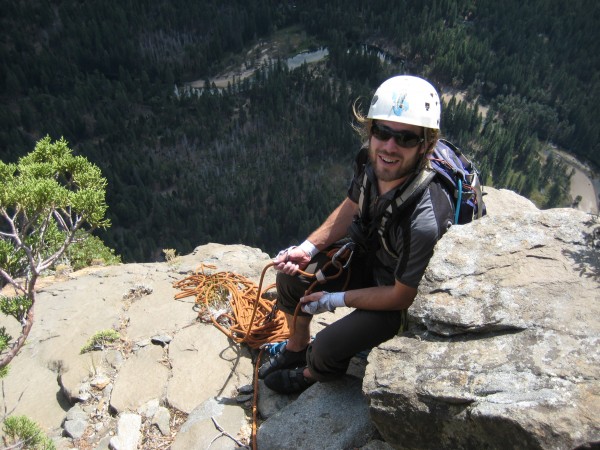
(244, 315)
(235, 305)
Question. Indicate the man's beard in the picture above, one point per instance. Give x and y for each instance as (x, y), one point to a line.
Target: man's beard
(392, 174)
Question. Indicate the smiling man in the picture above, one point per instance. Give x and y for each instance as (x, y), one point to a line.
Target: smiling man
(393, 244)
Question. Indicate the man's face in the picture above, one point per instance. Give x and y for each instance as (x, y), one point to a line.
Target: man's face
(390, 161)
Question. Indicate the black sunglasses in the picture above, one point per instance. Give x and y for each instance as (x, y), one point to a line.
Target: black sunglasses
(403, 138)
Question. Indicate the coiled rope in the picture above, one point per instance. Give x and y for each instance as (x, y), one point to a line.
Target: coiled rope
(235, 305)
(245, 316)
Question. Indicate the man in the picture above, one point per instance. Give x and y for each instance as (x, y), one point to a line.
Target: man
(400, 130)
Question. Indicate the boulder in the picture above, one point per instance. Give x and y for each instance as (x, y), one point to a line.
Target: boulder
(326, 416)
(128, 433)
(503, 351)
(143, 377)
(205, 364)
(212, 424)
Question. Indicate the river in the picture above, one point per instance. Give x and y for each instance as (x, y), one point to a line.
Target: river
(585, 182)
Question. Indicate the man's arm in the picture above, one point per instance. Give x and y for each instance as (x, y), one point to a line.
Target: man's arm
(398, 296)
(379, 298)
(333, 229)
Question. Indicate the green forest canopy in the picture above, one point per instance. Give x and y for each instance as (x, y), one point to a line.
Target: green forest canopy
(263, 161)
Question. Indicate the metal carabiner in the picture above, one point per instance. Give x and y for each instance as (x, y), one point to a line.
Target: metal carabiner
(347, 246)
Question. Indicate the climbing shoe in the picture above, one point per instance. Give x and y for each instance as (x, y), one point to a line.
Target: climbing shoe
(288, 381)
(283, 359)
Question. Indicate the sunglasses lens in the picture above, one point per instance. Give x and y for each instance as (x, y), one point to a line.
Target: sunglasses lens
(405, 139)
(409, 140)
(380, 133)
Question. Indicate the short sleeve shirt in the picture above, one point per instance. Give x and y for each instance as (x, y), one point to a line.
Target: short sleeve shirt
(412, 236)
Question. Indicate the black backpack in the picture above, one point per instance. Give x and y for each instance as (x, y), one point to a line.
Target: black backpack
(461, 178)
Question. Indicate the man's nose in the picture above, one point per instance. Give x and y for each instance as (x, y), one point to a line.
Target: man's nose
(390, 145)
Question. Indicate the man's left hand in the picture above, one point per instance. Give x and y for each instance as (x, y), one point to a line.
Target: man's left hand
(320, 302)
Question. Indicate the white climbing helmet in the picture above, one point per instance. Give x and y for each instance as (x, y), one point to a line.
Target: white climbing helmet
(407, 99)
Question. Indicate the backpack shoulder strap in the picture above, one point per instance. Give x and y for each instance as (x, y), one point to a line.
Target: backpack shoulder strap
(365, 187)
(364, 192)
(406, 197)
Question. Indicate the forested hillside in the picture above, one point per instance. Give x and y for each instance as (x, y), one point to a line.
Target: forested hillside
(263, 161)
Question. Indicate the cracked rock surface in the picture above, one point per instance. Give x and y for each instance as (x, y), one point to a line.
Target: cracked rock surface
(502, 352)
(504, 347)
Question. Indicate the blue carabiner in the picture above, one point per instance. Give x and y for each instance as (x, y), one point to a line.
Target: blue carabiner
(457, 213)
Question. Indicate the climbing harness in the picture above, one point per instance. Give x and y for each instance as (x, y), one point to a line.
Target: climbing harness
(340, 259)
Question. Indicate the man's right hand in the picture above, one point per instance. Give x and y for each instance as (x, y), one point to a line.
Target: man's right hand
(292, 259)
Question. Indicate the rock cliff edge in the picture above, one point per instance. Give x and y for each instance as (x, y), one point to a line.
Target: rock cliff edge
(502, 352)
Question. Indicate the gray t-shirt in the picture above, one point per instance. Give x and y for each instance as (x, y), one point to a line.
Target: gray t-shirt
(412, 236)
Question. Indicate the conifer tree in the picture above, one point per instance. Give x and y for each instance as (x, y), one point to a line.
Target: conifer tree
(47, 200)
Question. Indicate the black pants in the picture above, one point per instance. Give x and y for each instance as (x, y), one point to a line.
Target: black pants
(329, 354)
